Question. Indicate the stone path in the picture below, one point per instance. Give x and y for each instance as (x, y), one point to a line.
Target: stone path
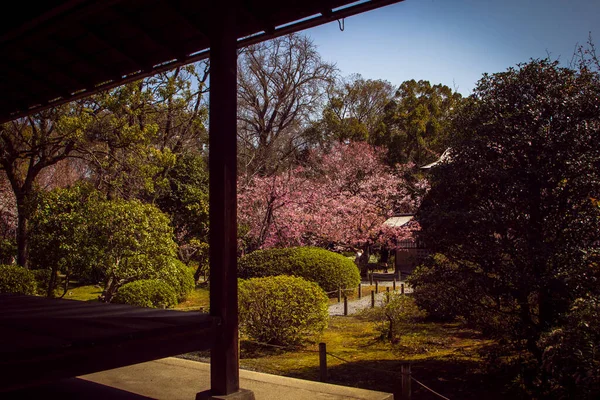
(355, 306)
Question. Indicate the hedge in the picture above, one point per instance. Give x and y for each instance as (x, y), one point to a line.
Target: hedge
(152, 293)
(282, 310)
(17, 280)
(181, 279)
(328, 269)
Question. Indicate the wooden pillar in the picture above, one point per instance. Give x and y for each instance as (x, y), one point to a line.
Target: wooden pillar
(224, 366)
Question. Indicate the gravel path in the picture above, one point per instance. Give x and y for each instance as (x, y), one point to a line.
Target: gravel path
(365, 302)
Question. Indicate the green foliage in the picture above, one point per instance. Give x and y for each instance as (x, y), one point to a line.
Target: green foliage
(42, 278)
(514, 209)
(152, 293)
(282, 310)
(18, 280)
(396, 310)
(8, 249)
(571, 357)
(185, 199)
(131, 241)
(416, 125)
(181, 279)
(328, 269)
(59, 238)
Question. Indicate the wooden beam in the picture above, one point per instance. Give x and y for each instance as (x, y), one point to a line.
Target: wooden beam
(224, 365)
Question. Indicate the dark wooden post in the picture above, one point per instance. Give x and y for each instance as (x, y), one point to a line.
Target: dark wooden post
(394, 284)
(339, 294)
(387, 289)
(345, 305)
(376, 286)
(359, 291)
(372, 299)
(224, 365)
(406, 387)
(402, 288)
(322, 362)
(371, 278)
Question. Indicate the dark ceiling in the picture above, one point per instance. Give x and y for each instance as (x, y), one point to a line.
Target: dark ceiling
(57, 51)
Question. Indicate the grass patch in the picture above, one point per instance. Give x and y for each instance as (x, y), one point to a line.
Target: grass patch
(446, 357)
(84, 293)
(198, 300)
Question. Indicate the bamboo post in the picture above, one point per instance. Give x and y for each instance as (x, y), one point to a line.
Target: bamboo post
(339, 294)
(372, 299)
(406, 388)
(322, 362)
(345, 305)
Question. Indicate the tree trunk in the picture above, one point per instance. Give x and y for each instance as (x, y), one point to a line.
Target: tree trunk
(22, 236)
(110, 288)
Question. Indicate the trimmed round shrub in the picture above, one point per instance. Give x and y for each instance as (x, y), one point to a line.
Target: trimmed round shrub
(282, 310)
(328, 269)
(181, 279)
(151, 293)
(17, 280)
(42, 279)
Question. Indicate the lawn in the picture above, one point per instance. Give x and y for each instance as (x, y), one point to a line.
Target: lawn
(197, 300)
(446, 357)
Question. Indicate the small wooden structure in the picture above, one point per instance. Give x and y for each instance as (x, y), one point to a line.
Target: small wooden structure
(410, 252)
(57, 51)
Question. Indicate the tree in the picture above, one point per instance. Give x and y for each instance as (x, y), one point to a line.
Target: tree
(140, 129)
(186, 201)
(513, 211)
(59, 234)
(8, 221)
(341, 197)
(354, 111)
(281, 84)
(416, 124)
(31, 144)
(130, 241)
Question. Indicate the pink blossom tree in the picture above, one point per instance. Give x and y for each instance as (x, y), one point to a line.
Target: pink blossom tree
(339, 198)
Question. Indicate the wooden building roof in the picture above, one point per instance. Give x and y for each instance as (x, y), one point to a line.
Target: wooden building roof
(55, 51)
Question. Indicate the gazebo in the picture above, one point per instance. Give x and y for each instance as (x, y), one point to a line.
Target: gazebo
(57, 51)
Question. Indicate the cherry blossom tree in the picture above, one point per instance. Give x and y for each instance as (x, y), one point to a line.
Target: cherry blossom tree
(8, 220)
(339, 198)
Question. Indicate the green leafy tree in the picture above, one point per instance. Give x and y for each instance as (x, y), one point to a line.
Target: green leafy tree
(131, 241)
(514, 209)
(416, 124)
(185, 199)
(140, 129)
(353, 112)
(59, 234)
(30, 145)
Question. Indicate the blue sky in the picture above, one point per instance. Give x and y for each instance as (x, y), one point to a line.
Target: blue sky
(455, 41)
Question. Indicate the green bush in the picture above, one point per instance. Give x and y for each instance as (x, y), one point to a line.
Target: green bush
(282, 310)
(18, 280)
(394, 313)
(152, 293)
(42, 279)
(180, 278)
(328, 269)
(570, 359)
